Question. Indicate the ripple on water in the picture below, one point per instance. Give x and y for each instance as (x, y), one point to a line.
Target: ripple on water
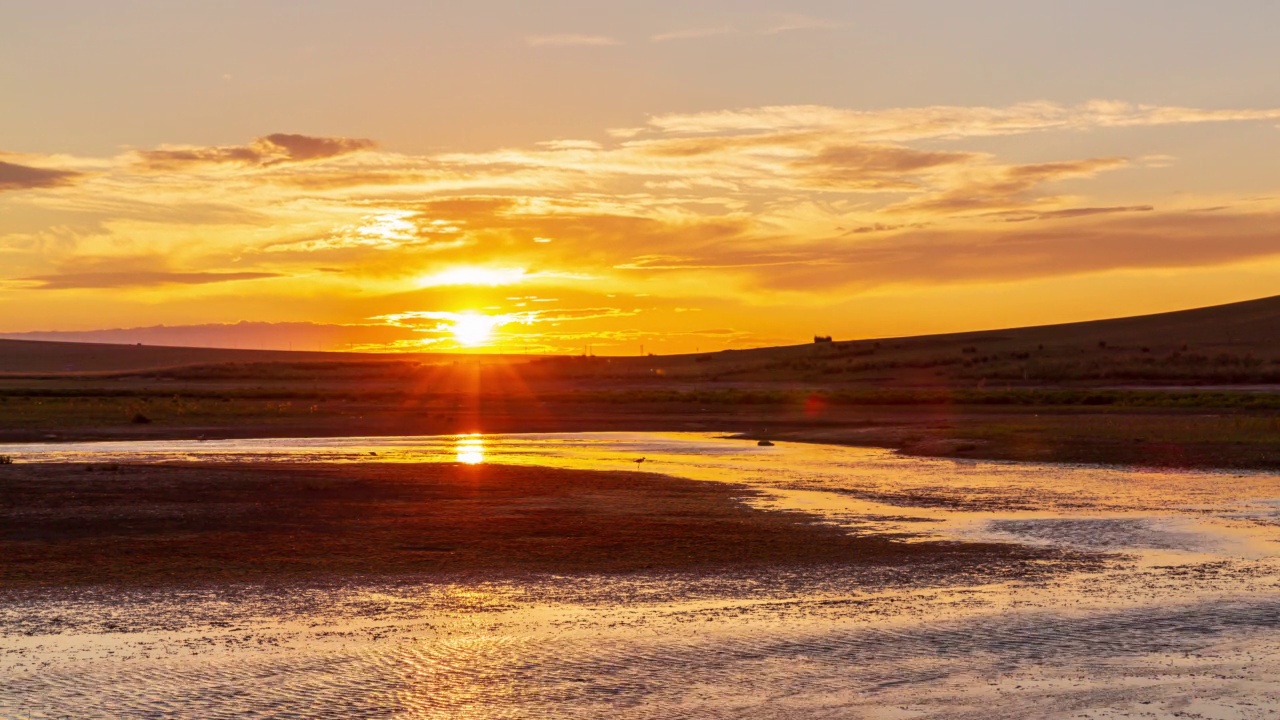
(713, 670)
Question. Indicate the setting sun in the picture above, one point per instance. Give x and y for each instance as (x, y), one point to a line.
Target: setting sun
(474, 329)
(470, 449)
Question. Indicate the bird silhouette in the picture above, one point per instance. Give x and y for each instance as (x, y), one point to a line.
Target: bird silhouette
(637, 462)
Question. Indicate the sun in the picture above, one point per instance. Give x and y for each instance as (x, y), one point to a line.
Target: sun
(470, 449)
(473, 329)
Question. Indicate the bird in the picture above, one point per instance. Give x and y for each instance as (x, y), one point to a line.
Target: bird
(637, 462)
(372, 452)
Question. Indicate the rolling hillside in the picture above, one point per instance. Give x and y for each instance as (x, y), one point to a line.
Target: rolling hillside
(1237, 343)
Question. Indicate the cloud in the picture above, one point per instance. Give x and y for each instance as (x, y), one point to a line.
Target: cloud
(275, 149)
(793, 23)
(874, 167)
(693, 34)
(321, 179)
(1147, 240)
(806, 148)
(105, 280)
(921, 123)
(440, 319)
(1068, 213)
(756, 206)
(243, 334)
(23, 177)
(299, 148)
(780, 24)
(571, 40)
(389, 230)
(1003, 187)
(676, 262)
(1085, 243)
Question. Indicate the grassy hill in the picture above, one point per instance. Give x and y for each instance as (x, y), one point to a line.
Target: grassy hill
(1235, 344)
(40, 357)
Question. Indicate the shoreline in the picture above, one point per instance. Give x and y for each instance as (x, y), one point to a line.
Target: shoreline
(1148, 439)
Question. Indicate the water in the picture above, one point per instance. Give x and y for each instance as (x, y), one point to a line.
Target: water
(1183, 621)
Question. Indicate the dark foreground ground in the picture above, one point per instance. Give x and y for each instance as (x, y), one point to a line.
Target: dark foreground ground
(138, 526)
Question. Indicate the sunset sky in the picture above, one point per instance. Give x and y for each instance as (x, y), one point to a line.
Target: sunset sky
(542, 176)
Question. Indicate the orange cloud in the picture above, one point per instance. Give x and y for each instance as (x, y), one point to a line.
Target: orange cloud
(23, 177)
(275, 149)
(1002, 188)
(69, 281)
(919, 123)
(751, 208)
(1089, 244)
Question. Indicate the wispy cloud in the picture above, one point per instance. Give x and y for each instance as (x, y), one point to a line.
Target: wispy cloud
(793, 23)
(242, 334)
(778, 25)
(275, 149)
(103, 280)
(693, 34)
(954, 122)
(570, 40)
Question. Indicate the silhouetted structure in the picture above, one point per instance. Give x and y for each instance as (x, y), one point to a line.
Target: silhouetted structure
(821, 338)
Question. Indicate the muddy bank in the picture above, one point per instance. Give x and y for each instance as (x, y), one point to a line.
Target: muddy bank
(64, 525)
(1180, 441)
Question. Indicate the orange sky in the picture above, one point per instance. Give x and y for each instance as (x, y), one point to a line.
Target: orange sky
(700, 222)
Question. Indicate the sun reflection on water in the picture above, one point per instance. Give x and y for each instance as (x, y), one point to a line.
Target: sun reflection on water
(470, 449)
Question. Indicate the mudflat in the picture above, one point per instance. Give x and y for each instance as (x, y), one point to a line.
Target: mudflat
(144, 525)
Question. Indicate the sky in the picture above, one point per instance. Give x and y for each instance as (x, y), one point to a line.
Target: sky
(627, 177)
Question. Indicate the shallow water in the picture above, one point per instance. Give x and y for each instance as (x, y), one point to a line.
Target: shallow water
(1151, 513)
(1183, 622)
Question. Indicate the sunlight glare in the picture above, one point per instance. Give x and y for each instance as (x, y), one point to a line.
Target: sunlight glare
(473, 329)
(471, 275)
(470, 449)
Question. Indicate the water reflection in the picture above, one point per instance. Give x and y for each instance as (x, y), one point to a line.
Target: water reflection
(470, 449)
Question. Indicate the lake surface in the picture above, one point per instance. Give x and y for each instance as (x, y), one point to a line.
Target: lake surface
(1183, 620)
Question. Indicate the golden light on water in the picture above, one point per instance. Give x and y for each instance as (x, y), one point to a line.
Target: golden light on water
(470, 449)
